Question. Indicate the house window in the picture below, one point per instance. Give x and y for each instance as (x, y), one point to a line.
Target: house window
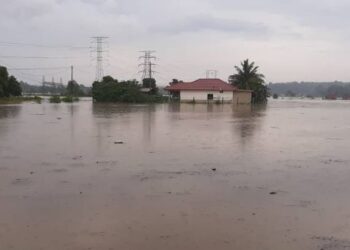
(210, 97)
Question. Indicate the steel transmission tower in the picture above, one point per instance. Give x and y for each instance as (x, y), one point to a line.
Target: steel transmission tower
(98, 49)
(211, 73)
(147, 65)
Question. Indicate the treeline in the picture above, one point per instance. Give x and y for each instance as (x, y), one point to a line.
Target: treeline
(40, 89)
(9, 86)
(311, 89)
(77, 89)
(112, 90)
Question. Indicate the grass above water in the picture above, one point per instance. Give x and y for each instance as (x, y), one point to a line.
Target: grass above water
(20, 99)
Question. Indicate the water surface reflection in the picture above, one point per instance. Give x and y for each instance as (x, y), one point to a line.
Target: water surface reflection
(185, 177)
(9, 111)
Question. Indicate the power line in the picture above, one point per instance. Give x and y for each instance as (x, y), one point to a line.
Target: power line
(37, 57)
(147, 64)
(99, 40)
(44, 68)
(211, 73)
(4, 43)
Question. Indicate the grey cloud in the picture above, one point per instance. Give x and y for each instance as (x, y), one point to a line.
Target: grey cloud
(201, 23)
(312, 13)
(21, 10)
(250, 28)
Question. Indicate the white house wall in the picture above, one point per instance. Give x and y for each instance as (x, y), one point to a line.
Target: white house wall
(200, 96)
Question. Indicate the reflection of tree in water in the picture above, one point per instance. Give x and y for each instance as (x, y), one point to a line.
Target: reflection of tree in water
(197, 108)
(247, 119)
(10, 111)
(108, 110)
(105, 118)
(148, 117)
(109, 118)
(174, 107)
(73, 110)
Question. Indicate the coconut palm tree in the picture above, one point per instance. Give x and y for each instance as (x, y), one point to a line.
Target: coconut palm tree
(248, 77)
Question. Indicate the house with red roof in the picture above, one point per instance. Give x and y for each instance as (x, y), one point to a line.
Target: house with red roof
(209, 90)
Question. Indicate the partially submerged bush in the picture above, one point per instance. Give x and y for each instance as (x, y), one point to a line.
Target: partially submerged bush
(55, 99)
(111, 90)
(67, 99)
(20, 99)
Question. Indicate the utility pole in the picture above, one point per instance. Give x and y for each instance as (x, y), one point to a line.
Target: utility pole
(71, 73)
(98, 49)
(147, 65)
(211, 73)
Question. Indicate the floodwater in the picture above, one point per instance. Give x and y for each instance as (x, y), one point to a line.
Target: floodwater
(109, 176)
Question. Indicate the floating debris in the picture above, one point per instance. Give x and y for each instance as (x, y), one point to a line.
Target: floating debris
(77, 157)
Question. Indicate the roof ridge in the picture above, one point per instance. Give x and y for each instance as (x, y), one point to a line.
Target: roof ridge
(215, 84)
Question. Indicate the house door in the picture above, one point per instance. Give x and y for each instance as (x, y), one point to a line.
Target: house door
(210, 97)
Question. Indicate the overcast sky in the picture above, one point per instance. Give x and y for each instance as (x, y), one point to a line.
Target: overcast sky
(299, 40)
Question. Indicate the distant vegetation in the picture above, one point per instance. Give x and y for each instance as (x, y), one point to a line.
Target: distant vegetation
(10, 89)
(248, 78)
(56, 89)
(312, 89)
(112, 90)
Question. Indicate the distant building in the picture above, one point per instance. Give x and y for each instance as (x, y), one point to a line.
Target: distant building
(52, 84)
(209, 90)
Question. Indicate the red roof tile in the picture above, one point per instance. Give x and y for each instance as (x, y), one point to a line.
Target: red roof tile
(202, 84)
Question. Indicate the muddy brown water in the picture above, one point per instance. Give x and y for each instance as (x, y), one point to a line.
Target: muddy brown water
(91, 176)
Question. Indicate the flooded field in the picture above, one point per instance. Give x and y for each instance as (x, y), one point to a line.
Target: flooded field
(154, 177)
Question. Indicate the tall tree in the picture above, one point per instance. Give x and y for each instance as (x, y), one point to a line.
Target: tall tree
(9, 86)
(3, 81)
(175, 81)
(248, 77)
(73, 89)
(151, 84)
(14, 87)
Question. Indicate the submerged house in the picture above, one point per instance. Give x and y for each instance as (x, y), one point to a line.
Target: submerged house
(209, 90)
